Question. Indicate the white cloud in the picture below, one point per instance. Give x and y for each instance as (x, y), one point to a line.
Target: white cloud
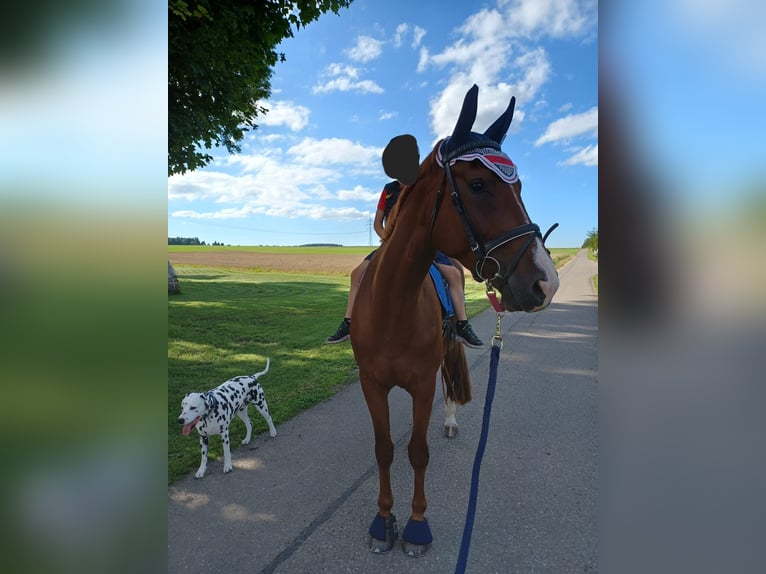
(423, 60)
(201, 186)
(268, 138)
(569, 127)
(313, 211)
(344, 78)
(336, 69)
(359, 193)
(336, 151)
(401, 30)
(554, 18)
(287, 184)
(565, 108)
(285, 113)
(387, 115)
(492, 51)
(533, 71)
(417, 36)
(587, 156)
(347, 85)
(478, 48)
(227, 213)
(366, 49)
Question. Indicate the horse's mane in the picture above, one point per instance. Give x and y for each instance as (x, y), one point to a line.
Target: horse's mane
(425, 168)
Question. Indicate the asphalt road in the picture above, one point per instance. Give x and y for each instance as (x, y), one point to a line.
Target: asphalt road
(302, 502)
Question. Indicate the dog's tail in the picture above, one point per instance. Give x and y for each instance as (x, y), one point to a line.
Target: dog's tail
(264, 371)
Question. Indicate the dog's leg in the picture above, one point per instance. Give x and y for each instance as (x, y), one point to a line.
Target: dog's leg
(227, 466)
(242, 413)
(263, 408)
(203, 464)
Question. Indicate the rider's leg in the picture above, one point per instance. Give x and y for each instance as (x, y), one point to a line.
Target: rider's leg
(454, 280)
(356, 279)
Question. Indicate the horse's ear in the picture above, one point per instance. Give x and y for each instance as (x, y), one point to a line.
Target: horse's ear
(498, 129)
(401, 159)
(467, 113)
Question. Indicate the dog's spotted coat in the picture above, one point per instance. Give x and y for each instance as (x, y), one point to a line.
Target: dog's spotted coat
(211, 413)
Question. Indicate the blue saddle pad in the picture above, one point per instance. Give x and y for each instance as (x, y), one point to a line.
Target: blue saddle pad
(442, 291)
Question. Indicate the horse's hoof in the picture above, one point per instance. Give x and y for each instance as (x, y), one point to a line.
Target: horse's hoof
(383, 534)
(416, 538)
(450, 431)
(415, 550)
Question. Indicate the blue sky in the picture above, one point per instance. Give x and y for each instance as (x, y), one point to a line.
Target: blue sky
(311, 172)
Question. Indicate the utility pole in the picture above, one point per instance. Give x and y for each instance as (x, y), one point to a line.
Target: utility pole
(369, 230)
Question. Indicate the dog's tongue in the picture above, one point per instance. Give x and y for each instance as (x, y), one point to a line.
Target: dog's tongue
(187, 428)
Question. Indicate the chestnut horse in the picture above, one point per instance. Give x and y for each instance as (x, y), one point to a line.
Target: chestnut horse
(397, 332)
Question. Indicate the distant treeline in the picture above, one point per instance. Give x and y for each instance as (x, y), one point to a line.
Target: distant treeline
(321, 245)
(188, 241)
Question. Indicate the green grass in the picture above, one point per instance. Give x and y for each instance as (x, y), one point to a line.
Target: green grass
(593, 257)
(561, 255)
(226, 321)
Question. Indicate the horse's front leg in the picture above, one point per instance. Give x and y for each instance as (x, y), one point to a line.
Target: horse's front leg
(383, 530)
(417, 534)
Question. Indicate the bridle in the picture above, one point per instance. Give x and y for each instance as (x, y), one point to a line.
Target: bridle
(483, 250)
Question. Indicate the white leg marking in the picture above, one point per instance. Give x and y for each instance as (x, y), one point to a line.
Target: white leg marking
(450, 409)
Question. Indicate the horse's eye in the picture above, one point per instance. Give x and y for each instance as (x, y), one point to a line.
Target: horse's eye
(477, 185)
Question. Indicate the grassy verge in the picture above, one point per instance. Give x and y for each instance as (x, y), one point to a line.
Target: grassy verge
(561, 256)
(226, 321)
(593, 257)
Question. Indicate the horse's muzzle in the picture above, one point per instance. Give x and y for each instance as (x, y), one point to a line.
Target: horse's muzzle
(529, 295)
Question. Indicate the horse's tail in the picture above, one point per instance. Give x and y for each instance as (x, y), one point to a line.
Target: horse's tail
(456, 378)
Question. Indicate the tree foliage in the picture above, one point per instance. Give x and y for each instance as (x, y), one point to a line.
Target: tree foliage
(591, 242)
(185, 241)
(220, 59)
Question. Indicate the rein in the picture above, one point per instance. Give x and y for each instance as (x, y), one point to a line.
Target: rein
(497, 344)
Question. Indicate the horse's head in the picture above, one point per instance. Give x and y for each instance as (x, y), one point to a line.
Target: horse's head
(499, 243)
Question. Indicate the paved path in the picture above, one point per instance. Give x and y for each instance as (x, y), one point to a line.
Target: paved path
(302, 502)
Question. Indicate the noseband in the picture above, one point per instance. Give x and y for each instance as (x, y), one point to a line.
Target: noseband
(481, 250)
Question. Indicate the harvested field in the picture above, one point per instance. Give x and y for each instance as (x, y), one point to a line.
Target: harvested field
(330, 263)
(290, 262)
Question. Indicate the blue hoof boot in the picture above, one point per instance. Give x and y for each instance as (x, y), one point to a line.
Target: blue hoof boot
(383, 534)
(416, 538)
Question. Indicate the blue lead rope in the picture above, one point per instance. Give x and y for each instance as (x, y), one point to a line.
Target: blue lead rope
(471, 513)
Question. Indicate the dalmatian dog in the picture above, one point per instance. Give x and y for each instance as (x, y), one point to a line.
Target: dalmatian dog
(212, 412)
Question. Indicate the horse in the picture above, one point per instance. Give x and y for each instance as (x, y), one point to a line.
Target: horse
(398, 335)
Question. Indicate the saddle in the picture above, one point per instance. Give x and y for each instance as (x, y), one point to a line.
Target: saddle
(442, 290)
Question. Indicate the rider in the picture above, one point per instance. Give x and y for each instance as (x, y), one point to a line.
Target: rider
(451, 274)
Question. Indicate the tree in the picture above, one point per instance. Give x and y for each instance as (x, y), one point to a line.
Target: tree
(591, 242)
(220, 59)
